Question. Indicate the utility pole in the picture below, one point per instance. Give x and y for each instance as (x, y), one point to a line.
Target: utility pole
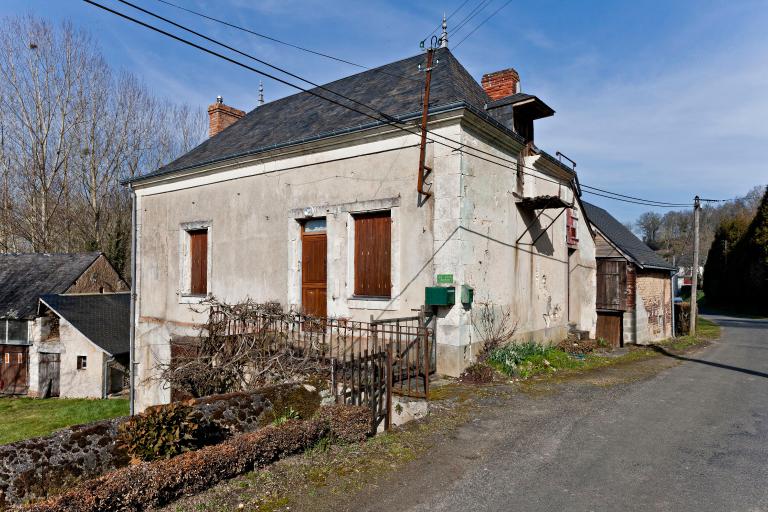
(695, 270)
(425, 170)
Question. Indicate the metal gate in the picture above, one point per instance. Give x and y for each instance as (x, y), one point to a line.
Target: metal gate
(50, 374)
(13, 369)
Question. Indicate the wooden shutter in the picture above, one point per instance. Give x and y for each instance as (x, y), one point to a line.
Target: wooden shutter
(373, 255)
(198, 249)
(611, 284)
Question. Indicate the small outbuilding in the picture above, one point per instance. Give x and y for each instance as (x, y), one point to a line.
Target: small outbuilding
(24, 278)
(86, 346)
(634, 284)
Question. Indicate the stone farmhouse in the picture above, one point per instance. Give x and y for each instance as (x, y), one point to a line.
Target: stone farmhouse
(635, 291)
(316, 206)
(29, 362)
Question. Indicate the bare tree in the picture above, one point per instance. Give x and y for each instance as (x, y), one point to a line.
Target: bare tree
(72, 128)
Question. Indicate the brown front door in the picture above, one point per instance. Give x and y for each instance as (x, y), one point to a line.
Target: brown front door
(609, 327)
(313, 268)
(50, 373)
(13, 369)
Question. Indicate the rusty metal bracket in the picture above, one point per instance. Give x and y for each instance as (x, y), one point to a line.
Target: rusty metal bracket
(543, 230)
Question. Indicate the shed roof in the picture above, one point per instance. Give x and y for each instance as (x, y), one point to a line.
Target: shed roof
(103, 318)
(25, 277)
(395, 89)
(624, 239)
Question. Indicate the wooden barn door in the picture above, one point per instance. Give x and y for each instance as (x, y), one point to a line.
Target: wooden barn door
(50, 372)
(314, 267)
(13, 369)
(609, 327)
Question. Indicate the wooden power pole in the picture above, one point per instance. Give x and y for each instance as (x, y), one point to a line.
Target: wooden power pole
(695, 270)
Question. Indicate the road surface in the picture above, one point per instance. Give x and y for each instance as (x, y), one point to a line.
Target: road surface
(693, 437)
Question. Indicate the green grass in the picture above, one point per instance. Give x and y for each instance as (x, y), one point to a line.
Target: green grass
(22, 418)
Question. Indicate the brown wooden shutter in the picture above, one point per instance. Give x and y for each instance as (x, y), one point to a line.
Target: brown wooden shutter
(373, 255)
(198, 248)
(611, 284)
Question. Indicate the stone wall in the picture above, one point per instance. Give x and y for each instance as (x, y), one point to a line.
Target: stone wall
(100, 277)
(44, 466)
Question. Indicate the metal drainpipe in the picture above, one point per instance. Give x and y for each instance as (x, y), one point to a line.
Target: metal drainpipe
(132, 338)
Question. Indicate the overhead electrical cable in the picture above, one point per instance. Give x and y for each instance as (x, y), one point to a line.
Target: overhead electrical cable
(494, 13)
(387, 119)
(474, 12)
(273, 39)
(440, 25)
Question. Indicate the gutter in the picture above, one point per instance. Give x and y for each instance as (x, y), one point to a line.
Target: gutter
(401, 119)
(132, 331)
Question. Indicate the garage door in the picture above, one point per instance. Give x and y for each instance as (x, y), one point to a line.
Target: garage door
(609, 328)
(13, 369)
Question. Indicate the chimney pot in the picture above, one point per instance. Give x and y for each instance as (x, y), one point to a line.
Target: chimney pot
(221, 116)
(501, 84)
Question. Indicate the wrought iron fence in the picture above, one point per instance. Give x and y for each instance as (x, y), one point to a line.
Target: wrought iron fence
(367, 361)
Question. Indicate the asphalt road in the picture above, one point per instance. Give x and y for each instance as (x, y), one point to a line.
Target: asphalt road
(691, 437)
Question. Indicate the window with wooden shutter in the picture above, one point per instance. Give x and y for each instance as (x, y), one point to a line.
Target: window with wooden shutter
(373, 255)
(198, 255)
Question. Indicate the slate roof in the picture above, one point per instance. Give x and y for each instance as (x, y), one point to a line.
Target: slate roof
(395, 89)
(624, 239)
(25, 277)
(103, 318)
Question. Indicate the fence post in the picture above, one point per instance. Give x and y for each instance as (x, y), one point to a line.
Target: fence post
(333, 381)
(388, 418)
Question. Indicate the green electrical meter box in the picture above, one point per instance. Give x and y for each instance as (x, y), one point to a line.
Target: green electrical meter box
(439, 296)
(467, 295)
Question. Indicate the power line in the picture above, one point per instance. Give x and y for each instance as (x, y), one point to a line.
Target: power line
(661, 203)
(681, 205)
(474, 12)
(277, 68)
(387, 119)
(494, 13)
(270, 38)
(440, 25)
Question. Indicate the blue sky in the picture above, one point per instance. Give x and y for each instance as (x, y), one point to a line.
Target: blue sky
(655, 99)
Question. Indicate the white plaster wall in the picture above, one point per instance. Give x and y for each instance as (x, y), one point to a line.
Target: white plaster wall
(255, 247)
(74, 383)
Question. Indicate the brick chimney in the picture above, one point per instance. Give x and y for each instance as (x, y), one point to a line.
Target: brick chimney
(501, 84)
(220, 116)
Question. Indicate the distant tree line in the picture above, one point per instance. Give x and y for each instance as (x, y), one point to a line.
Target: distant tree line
(671, 233)
(736, 272)
(71, 128)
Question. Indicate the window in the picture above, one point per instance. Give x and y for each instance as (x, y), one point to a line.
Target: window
(7, 358)
(82, 362)
(14, 332)
(198, 260)
(571, 235)
(20, 358)
(373, 255)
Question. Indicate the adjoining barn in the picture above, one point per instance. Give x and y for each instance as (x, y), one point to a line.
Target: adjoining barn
(634, 284)
(24, 278)
(85, 352)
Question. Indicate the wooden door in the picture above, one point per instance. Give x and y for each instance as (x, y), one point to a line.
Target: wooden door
(609, 327)
(13, 369)
(50, 372)
(314, 270)
(611, 284)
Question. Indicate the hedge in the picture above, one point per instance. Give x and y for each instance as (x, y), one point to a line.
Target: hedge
(154, 484)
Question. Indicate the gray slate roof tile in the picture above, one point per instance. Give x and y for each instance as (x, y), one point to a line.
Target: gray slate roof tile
(395, 89)
(624, 239)
(25, 277)
(103, 318)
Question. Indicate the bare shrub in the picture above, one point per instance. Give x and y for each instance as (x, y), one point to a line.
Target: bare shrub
(494, 326)
(243, 346)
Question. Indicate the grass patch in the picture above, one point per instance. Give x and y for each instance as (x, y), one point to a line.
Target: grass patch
(22, 418)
